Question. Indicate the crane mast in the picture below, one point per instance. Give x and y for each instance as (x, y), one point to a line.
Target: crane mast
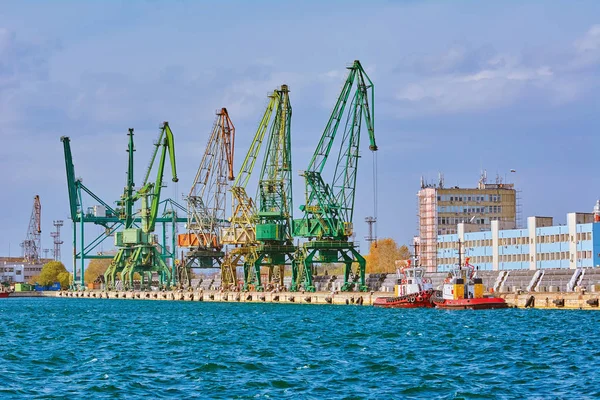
(32, 247)
(207, 199)
(329, 208)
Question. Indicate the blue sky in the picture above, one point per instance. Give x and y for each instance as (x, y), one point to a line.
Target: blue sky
(460, 86)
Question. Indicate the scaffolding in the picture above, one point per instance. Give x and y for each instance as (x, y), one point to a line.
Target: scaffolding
(428, 228)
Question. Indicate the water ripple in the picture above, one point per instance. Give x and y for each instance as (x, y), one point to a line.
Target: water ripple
(133, 349)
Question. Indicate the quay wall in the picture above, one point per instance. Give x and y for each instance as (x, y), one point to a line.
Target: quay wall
(545, 300)
(340, 298)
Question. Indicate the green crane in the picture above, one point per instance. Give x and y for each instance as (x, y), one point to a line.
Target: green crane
(102, 214)
(274, 217)
(138, 251)
(329, 208)
(262, 235)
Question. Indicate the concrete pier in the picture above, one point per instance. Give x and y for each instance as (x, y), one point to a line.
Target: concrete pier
(544, 300)
(338, 298)
(554, 300)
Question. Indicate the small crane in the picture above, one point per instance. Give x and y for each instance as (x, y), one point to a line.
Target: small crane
(32, 247)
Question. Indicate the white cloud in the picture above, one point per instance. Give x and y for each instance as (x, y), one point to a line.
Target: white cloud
(499, 81)
(591, 40)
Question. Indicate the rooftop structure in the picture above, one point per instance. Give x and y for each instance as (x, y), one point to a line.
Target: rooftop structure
(441, 209)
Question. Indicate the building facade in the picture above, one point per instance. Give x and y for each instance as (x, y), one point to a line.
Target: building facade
(14, 269)
(442, 209)
(540, 245)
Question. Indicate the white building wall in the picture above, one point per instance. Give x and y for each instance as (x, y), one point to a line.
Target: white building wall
(531, 225)
(495, 227)
(572, 225)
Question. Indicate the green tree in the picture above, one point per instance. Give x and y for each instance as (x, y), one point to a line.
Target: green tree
(50, 272)
(64, 278)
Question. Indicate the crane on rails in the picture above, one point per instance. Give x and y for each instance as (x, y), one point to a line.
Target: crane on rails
(32, 245)
(329, 208)
(206, 201)
(274, 217)
(111, 219)
(262, 235)
(138, 252)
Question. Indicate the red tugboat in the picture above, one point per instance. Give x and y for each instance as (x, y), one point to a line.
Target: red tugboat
(463, 290)
(413, 290)
(3, 292)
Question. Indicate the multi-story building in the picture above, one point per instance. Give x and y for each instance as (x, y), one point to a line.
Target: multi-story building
(14, 269)
(441, 209)
(539, 245)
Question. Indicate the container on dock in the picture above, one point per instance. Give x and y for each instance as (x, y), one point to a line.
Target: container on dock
(23, 287)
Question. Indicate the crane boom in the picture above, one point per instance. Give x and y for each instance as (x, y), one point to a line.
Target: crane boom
(243, 228)
(74, 204)
(329, 208)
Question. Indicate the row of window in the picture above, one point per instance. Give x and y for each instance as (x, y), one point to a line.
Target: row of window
(456, 221)
(515, 241)
(495, 198)
(563, 255)
(564, 237)
(470, 210)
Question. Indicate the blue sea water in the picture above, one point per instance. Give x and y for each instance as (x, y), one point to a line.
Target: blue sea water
(71, 348)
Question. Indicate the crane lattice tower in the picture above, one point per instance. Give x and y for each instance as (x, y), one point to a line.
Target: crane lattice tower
(32, 245)
(57, 241)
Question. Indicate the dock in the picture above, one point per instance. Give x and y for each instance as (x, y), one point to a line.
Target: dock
(546, 300)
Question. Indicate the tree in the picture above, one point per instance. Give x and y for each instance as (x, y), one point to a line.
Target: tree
(64, 278)
(50, 272)
(404, 253)
(383, 255)
(96, 268)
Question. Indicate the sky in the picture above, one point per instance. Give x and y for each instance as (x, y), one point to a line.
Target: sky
(459, 87)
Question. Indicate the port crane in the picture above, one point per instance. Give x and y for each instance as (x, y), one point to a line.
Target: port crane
(261, 235)
(32, 245)
(274, 215)
(206, 201)
(111, 219)
(138, 252)
(329, 208)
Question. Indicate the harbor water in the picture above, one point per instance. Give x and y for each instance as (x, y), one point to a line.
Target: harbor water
(52, 347)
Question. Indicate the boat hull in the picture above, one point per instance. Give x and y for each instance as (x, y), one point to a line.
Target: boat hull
(4, 294)
(416, 301)
(486, 303)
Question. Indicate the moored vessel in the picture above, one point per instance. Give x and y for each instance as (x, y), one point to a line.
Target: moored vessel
(413, 290)
(463, 290)
(3, 292)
